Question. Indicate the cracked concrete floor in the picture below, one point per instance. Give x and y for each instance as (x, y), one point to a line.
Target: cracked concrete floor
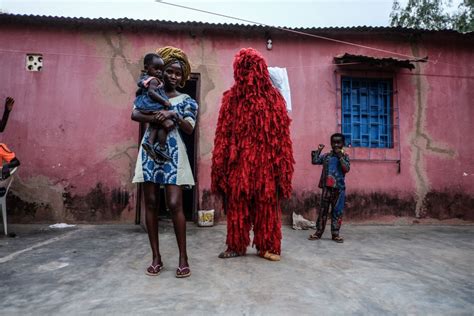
(98, 270)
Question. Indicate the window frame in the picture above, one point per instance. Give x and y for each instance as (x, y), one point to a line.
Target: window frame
(370, 153)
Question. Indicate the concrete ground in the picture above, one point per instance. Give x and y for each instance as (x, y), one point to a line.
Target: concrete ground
(100, 270)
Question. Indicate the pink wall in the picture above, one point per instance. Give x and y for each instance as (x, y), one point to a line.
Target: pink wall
(72, 131)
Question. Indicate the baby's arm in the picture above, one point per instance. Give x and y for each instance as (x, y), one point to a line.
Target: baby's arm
(154, 84)
(316, 158)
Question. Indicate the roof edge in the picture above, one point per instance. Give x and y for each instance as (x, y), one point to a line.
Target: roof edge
(12, 18)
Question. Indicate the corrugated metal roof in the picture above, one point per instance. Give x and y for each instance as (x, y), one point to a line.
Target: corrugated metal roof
(377, 62)
(133, 23)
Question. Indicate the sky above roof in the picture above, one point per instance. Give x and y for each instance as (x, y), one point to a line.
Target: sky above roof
(297, 13)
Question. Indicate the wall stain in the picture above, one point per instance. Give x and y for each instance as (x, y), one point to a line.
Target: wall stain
(304, 203)
(211, 201)
(449, 204)
(118, 153)
(39, 197)
(211, 90)
(119, 55)
(363, 206)
(422, 143)
(100, 204)
(21, 211)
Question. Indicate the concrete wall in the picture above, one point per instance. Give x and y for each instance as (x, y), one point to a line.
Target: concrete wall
(72, 131)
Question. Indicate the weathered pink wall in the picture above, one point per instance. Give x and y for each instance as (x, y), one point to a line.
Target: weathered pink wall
(72, 131)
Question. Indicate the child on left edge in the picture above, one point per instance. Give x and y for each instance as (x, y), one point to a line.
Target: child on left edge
(151, 98)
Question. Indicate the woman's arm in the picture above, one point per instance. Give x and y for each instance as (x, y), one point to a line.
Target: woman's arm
(187, 115)
(184, 125)
(162, 118)
(138, 116)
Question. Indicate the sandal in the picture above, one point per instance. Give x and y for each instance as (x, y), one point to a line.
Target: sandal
(315, 236)
(271, 256)
(229, 254)
(148, 148)
(161, 152)
(338, 239)
(183, 272)
(154, 270)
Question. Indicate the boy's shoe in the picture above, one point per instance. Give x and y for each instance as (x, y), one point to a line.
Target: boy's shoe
(317, 235)
(148, 148)
(162, 152)
(338, 239)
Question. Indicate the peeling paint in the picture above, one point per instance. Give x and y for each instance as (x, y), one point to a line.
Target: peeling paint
(38, 197)
(123, 154)
(422, 143)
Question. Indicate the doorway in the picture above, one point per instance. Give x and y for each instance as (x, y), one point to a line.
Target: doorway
(192, 89)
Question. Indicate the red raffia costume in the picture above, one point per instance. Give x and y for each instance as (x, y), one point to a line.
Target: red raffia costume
(252, 162)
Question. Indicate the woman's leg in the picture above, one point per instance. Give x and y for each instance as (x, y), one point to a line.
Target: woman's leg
(174, 198)
(152, 204)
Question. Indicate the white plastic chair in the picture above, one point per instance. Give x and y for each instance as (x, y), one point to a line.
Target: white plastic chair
(5, 184)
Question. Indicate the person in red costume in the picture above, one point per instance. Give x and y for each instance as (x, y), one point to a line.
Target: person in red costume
(252, 160)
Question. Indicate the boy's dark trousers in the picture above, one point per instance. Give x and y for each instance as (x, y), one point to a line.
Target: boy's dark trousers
(334, 198)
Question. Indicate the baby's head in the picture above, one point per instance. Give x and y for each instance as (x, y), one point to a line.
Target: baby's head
(337, 141)
(153, 65)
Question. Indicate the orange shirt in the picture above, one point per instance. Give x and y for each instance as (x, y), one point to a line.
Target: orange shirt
(6, 154)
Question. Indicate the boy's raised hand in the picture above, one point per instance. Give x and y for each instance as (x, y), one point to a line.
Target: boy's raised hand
(320, 147)
(9, 101)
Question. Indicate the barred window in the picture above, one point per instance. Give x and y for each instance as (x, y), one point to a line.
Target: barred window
(367, 114)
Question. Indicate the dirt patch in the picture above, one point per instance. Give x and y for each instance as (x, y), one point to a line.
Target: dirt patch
(304, 204)
(360, 206)
(100, 204)
(23, 212)
(447, 205)
(370, 207)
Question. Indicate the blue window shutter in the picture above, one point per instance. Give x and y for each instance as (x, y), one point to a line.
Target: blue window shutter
(367, 112)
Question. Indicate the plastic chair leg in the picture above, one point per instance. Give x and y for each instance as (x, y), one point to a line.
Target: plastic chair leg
(3, 204)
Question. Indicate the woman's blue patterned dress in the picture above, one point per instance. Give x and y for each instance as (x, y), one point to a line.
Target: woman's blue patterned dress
(177, 170)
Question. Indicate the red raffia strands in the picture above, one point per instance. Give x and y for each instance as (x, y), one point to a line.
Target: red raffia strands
(252, 162)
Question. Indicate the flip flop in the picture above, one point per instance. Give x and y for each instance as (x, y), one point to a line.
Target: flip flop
(161, 151)
(338, 239)
(314, 236)
(154, 270)
(183, 272)
(148, 148)
(229, 254)
(271, 256)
